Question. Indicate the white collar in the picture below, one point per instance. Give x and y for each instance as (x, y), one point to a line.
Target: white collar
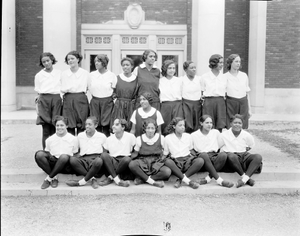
(127, 79)
(150, 141)
(144, 114)
(143, 65)
(77, 74)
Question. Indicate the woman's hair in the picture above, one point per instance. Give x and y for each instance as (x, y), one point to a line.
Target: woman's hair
(186, 65)
(103, 58)
(237, 116)
(230, 59)
(123, 123)
(148, 96)
(165, 66)
(214, 60)
(202, 119)
(94, 119)
(147, 52)
(147, 122)
(47, 54)
(170, 127)
(127, 59)
(75, 54)
(60, 118)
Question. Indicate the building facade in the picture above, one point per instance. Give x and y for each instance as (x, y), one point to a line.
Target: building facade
(266, 34)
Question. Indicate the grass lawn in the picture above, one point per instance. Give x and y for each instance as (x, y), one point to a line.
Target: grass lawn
(283, 135)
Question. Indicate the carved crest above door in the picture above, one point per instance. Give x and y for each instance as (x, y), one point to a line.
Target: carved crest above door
(134, 15)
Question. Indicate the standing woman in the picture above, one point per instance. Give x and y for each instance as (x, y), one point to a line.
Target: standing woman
(213, 86)
(170, 88)
(101, 84)
(148, 78)
(125, 92)
(144, 112)
(74, 87)
(49, 103)
(191, 95)
(237, 100)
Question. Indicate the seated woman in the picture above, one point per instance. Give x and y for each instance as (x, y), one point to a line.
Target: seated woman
(206, 142)
(144, 112)
(59, 148)
(237, 142)
(183, 160)
(117, 152)
(148, 150)
(88, 161)
(170, 88)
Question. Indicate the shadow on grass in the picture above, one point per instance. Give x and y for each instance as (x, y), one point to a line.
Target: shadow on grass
(286, 140)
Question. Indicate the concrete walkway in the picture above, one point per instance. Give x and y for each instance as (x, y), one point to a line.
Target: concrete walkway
(20, 138)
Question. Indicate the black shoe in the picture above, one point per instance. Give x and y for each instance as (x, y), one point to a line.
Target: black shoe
(159, 184)
(138, 181)
(178, 183)
(106, 182)
(251, 182)
(227, 184)
(123, 183)
(202, 181)
(54, 183)
(193, 184)
(45, 184)
(95, 184)
(73, 183)
(240, 183)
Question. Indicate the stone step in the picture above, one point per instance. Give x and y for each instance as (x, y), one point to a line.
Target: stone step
(261, 187)
(35, 175)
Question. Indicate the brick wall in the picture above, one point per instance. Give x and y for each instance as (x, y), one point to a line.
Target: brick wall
(283, 44)
(166, 11)
(237, 30)
(29, 40)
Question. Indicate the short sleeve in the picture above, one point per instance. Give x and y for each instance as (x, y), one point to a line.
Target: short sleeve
(138, 144)
(37, 83)
(166, 147)
(190, 142)
(105, 145)
(103, 140)
(132, 119)
(162, 140)
(159, 118)
(47, 148)
(133, 140)
(114, 81)
(135, 71)
(202, 83)
(250, 140)
(75, 145)
(247, 83)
